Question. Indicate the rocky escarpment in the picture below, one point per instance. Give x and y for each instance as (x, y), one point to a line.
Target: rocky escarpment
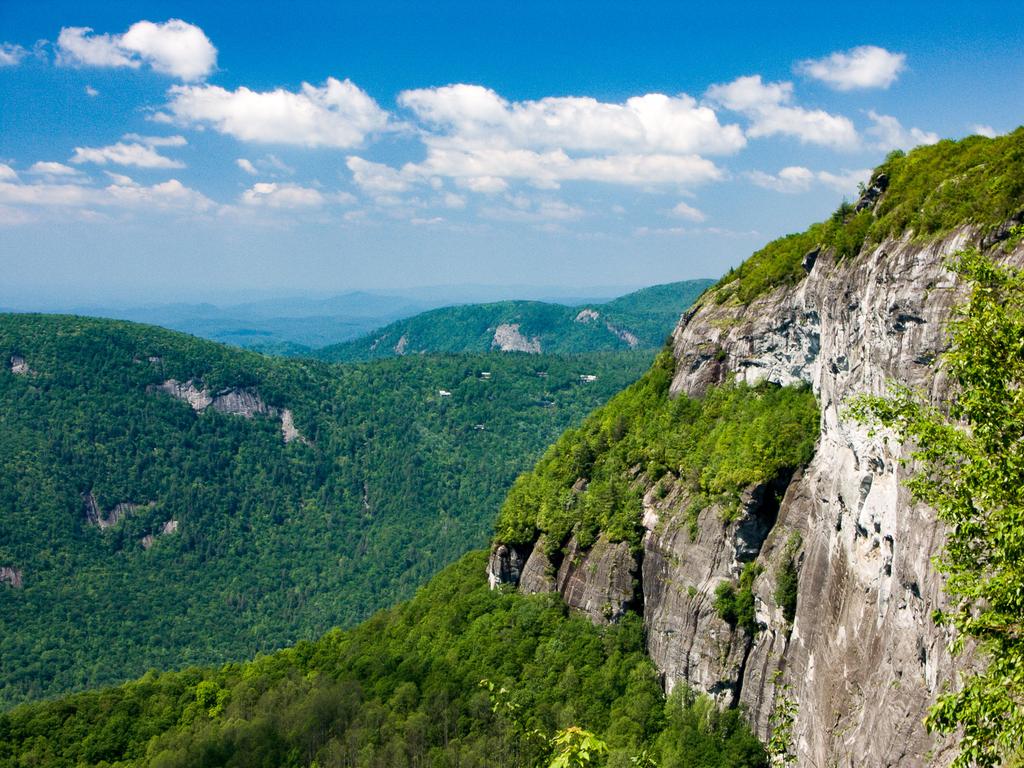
(858, 652)
(508, 338)
(234, 401)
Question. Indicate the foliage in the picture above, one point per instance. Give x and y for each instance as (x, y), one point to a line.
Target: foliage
(275, 542)
(931, 191)
(781, 747)
(787, 578)
(733, 436)
(971, 471)
(576, 748)
(734, 603)
(400, 690)
(644, 316)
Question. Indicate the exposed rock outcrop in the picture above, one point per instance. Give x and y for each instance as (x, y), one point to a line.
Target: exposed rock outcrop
(507, 338)
(234, 401)
(862, 657)
(94, 514)
(171, 526)
(10, 576)
(19, 367)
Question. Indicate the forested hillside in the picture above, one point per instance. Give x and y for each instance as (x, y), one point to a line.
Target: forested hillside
(638, 320)
(403, 689)
(169, 501)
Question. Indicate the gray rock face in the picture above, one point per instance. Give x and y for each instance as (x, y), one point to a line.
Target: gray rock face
(19, 367)
(94, 514)
(862, 657)
(10, 576)
(508, 338)
(237, 402)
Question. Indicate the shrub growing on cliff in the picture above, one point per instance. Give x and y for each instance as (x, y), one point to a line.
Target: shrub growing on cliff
(971, 462)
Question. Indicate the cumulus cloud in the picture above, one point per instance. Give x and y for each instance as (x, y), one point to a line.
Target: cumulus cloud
(11, 55)
(475, 116)
(769, 108)
(688, 212)
(524, 210)
(7, 173)
(481, 141)
(796, 178)
(984, 130)
(890, 133)
(135, 150)
(170, 195)
(91, 92)
(47, 168)
(246, 166)
(339, 114)
(866, 66)
(173, 47)
(272, 195)
(376, 178)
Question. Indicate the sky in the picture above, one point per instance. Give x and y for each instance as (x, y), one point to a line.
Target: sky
(187, 151)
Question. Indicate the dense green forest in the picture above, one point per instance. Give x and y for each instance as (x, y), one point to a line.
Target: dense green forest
(637, 320)
(403, 689)
(732, 437)
(229, 540)
(923, 194)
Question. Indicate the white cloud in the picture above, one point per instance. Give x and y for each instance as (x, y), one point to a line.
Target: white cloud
(891, 134)
(866, 66)
(338, 115)
(481, 141)
(91, 92)
(769, 108)
(523, 210)
(688, 212)
(488, 170)
(120, 178)
(138, 151)
(376, 178)
(246, 166)
(454, 201)
(165, 196)
(472, 116)
(46, 168)
(984, 130)
(156, 141)
(7, 173)
(796, 178)
(171, 194)
(274, 195)
(173, 47)
(847, 181)
(11, 55)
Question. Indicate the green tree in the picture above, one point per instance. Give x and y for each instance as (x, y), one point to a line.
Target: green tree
(971, 458)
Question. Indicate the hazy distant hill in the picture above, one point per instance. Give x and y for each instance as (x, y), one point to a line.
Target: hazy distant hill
(638, 320)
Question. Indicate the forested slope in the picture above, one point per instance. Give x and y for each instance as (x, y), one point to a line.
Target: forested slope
(139, 532)
(639, 320)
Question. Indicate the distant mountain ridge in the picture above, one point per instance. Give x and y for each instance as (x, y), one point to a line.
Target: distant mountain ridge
(637, 320)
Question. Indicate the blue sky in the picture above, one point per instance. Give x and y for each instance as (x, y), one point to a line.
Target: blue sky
(155, 151)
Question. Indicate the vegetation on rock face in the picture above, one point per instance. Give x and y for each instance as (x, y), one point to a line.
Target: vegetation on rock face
(715, 446)
(640, 319)
(971, 472)
(927, 192)
(274, 542)
(402, 689)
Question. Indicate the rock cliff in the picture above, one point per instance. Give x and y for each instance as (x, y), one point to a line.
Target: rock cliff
(860, 657)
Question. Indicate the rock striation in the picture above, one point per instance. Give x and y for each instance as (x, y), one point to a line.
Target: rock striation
(861, 657)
